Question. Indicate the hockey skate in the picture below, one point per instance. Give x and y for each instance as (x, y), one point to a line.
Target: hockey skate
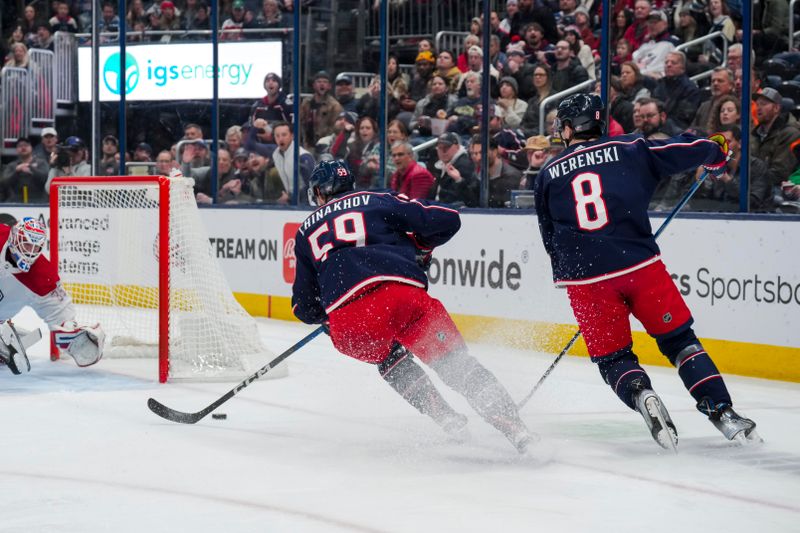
(657, 419)
(455, 425)
(736, 428)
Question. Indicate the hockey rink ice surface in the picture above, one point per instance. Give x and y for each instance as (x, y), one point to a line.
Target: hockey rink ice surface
(332, 448)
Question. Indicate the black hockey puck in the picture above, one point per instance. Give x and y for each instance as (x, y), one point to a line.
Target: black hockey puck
(219, 416)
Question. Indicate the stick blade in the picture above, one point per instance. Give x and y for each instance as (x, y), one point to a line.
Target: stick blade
(172, 415)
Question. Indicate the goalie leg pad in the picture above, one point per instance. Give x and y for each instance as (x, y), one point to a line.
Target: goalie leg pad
(12, 349)
(84, 344)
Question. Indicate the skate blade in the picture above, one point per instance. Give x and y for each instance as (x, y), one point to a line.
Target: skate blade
(667, 438)
(743, 438)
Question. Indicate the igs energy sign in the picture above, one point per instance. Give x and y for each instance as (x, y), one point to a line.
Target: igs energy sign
(180, 71)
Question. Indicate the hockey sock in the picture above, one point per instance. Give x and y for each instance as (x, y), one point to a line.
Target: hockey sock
(465, 375)
(412, 383)
(701, 377)
(623, 374)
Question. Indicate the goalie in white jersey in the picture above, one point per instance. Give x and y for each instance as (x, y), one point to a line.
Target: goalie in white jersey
(29, 279)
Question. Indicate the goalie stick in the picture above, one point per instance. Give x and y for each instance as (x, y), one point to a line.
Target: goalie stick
(191, 418)
(683, 201)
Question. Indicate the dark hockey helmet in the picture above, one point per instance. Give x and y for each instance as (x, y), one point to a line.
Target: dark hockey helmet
(330, 178)
(583, 112)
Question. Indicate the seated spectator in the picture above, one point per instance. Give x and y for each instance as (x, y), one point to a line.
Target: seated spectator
(650, 56)
(143, 153)
(233, 26)
(497, 58)
(109, 164)
(632, 82)
(536, 150)
(396, 132)
(343, 132)
(580, 50)
(447, 69)
(542, 83)
(62, 20)
(622, 19)
(364, 145)
(233, 138)
(790, 189)
(398, 81)
(344, 92)
(509, 141)
(17, 36)
(536, 47)
(44, 37)
(108, 23)
(192, 132)
(521, 70)
(272, 107)
(776, 131)
(512, 6)
(565, 16)
(638, 32)
(623, 55)
(263, 183)
(18, 57)
(257, 137)
(503, 178)
(463, 116)
(194, 152)
(165, 163)
(202, 177)
(30, 24)
(283, 159)
(48, 145)
(722, 85)
(318, 113)
(169, 21)
(23, 179)
(687, 29)
(409, 177)
(456, 183)
(513, 108)
(69, 159)
(369, 103)
(271, 16)
(719, 14)
(680, 95)
(568, 71)
(201, 20)
(462, 61)
(435, 105)
(240, 158)
(620, 109)
(423, 71)
(530, 11)
(655, 120)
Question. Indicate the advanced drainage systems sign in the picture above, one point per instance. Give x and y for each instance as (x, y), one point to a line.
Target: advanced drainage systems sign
(180, 71)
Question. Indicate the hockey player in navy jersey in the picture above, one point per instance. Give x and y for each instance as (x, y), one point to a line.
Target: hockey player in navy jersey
(591, 202)
(361, 261)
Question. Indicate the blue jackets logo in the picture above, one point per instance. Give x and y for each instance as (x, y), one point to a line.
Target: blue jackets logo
(111, 74)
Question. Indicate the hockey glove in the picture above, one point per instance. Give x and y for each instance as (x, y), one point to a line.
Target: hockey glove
(83, 343)
(718, 170)
(423, 253)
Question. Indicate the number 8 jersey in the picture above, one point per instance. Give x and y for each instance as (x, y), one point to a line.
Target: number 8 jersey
(358, 239)
(592, 199)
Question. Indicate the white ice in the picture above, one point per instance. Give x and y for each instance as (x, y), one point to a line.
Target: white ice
(333, 448)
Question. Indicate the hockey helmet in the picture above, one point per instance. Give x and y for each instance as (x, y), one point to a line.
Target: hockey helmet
(329, 178)
(583, 112)
(28, 238)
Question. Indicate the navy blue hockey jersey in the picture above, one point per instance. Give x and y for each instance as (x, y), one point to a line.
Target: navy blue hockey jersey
(592, 199)
(361, 238)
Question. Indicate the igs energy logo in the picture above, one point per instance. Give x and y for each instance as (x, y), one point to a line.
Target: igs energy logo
(289, 260)
(113, 78)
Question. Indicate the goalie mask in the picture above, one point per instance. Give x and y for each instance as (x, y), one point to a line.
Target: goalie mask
(28, 238)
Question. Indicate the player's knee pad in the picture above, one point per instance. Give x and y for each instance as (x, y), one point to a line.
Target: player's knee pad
(623, 374)
(674, 344)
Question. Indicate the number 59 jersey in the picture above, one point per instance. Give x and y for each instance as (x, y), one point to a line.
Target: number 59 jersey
(592, 199)
(361, 238)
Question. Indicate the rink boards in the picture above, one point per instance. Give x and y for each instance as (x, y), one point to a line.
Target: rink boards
(740, 278)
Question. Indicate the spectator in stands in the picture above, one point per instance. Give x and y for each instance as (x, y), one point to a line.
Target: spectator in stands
(462, 61)
(536, 47)
(169, 21)
(202, 176)
(108, 23)
(530, 11)
(201, 20)
(512, 7)
(343, 90)
(447, 69)
(619, 107)
(164, 163)
(565, 16)
(650, 56)
(580, 50)
(623, 55)
(513, 108)
(230, 184)
(510, 141)
(424, 45)
(233, 26)
(456, 182)
(396, 131)
(720, 18)
(48, 145)
(536, 150)
(726, 112)
(369, 103)
(143, 153)
(319, 112)
(18, 57)
(409, 178)
(271, 16)
(195, 152)
(272, 107)
(423, 70)
(233, 138)
(722, 84)
(136, 13)
(622, 20)
(544, 87)
(109, 165)
(679, 94)
(735, 57)
(463, 116)
(724, 190)
(638, 32)
(264, 183)
(568, 70)
(30, 25)
(283, 159)
(632, 82)
(655, 121)
(686, 29)
(192, 131)
(23, 178)
(497, 59)
(503, 178)
(17, 36)
(343, 133)
(475, 27)
(62, 20)
(776, 131)
(584, 25)
(435, 105)
(44, 37)
(358, 151)
(69, 159)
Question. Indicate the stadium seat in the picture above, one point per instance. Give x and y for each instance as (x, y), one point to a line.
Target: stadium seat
(791, 90)
(773, 81)
(779, 67)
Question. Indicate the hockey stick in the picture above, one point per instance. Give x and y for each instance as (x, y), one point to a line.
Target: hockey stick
(683, 201)
(191, 418)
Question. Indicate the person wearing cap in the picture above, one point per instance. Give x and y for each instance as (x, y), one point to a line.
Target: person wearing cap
(69, 159)
(170, 21)
(143, 153)
(651, 55)
(272, 107)
(271, 16)
(109, 165)
(48, 145)
(680, 94)
(470, 40)
(537, 152)
(423, 70)
(343, 133)
(233, 25)
(513, 108)
(776, 131)
(344, 92)
(318, 113)
(503, 177)
(475, 64)
(23, 178)
(456, 182)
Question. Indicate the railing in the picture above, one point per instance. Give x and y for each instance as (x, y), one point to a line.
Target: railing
(15, 106)
(558, 96)
(791, 24)
(141, 35)
(450, 40)
(66, 68)
(704, 38)
(41, 72)
(417, 20)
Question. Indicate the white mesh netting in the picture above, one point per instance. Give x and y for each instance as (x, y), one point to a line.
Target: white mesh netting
(108, 254)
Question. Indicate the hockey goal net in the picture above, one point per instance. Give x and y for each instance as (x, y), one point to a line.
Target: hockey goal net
(134, 256)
